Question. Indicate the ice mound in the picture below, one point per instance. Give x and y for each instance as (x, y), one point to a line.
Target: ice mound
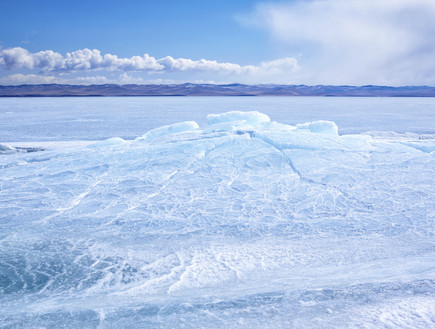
(115, 141)
(253, 118)
(243, 223)
(321, 127)
(170, 130)
(6, 149)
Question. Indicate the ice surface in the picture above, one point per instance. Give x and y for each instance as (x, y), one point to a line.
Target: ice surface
(242, 223)
(36, 119)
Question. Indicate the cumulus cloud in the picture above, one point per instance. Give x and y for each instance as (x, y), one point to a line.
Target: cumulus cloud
(84, 59)
(87, 60)
(348, 41)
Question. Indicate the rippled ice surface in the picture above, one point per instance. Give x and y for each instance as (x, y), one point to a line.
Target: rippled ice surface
(241, 223)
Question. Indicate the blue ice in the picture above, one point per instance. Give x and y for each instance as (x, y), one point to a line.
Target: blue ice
(244, 222)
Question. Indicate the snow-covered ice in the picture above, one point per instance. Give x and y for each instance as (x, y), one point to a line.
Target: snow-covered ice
(244, 222)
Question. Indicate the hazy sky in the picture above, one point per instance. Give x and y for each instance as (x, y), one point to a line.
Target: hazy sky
(388, 42)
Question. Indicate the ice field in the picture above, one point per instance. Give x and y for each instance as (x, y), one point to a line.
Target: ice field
(238, 220)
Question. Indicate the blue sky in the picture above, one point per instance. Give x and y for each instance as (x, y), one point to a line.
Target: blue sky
(203, 29)
(300, 41)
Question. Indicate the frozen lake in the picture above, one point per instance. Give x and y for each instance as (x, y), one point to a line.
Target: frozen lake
(194, 217)
(95, 118)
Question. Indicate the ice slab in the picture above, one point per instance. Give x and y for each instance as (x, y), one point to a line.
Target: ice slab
(6, 149)
(252, 118)
(115, 141)
(323, 127)
(170, 129)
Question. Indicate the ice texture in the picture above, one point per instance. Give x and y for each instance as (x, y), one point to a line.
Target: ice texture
(244, 223)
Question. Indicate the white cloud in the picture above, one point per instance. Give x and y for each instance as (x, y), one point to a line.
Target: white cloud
(123, 78)
(87, 60)
(356, 41)
(92, 80)
(80, 60)
(279, 65)
(19, 79)
(184, 64)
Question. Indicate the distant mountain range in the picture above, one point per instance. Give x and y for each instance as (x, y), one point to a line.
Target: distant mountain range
(189, 89)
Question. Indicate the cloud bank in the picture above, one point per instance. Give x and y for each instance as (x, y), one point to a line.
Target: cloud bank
(123, 78)
(48, 61)
(355, 41)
